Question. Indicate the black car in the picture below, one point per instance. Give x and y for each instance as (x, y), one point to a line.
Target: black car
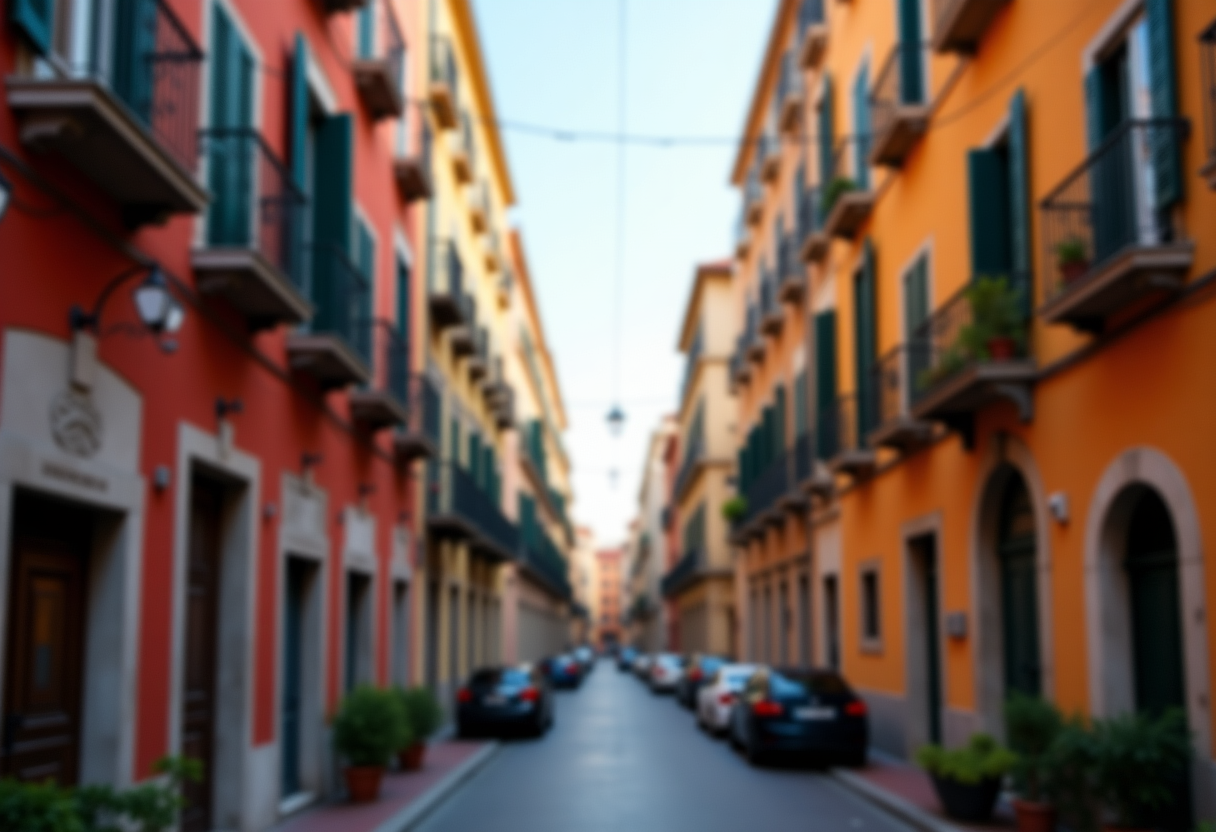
(624, 659)
(502, 700)
(804, 715)
(697, 672)
(563, 671)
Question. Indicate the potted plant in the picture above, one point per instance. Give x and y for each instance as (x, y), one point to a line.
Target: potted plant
(1032, 725)
(997, 324)
(734, 509)
(1072, 258)
(950, 362)
(837, 188)
(368, 729)
(424, 715)
(1140, 761)
(968, 779)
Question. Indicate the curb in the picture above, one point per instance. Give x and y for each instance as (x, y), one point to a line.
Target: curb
(413, 814)
(893, 804)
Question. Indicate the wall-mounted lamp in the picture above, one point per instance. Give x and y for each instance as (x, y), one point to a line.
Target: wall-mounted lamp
(6, 194)
(158, 310)
(1058, 505)
(161, 477)
(366, 489)
(270, 511)
(227, 407)
(309, 461)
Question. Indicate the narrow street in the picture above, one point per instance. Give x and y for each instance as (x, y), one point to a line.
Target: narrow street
(620, 758)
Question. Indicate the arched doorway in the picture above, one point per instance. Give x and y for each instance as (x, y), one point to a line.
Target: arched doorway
(1016, 551)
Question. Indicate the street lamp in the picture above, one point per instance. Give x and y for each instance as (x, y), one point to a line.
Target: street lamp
(158, 311)
(6, 194)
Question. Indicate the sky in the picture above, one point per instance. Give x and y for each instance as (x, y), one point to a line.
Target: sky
(690, 69)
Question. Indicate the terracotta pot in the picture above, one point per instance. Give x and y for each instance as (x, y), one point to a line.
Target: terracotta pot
(1002, 348)
(1034, 817)
(363, 783)
(1074, 270)
(411, 757)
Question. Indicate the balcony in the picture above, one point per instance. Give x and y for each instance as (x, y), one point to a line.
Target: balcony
(1207, 66)
(253, 255)
(847, 197)
(690, 469)
(419, 437)
(128, 121)
(958, 25)
(812, 24)
(764, 495)
(413, 173)
(843, 426)
(504, 408)
(445, 285)
(957, 366)
(772, 315)
(383, 401)
(791, 273)
(791, 93)
(815, 241)
(753, 199)
(684, 574)
(541, 559)
(809, 474)
(461, 144)
(899, 105)
(479, 361)
(443, 90)
(341, 6)
(1109, 245)
(743, 241)
(740, 367)
(768, 148)
(896, 427)
(479, 211)
(379, 68)
(463, 336)
(753, 343)
(458, 507)
(336, 347)
(493, 252)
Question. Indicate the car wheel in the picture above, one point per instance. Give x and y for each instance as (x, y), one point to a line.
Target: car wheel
(754, 756)
(855, 759)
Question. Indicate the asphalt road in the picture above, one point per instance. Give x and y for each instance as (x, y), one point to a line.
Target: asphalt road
(621, 759)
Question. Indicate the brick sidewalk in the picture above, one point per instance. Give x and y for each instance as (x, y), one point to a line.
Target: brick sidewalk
(398, 793)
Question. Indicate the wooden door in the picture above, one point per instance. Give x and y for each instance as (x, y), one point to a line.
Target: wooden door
(1019, 591)
(293, 659)
(44, 670)
(199, 666)
(926, 551)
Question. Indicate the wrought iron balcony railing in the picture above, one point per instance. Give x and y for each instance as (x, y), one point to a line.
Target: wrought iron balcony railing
(1109, 234)
(444, 83)
(384, 400)
(899, 104)
(791, 272)
(342, 294)
(769, 485)
(846, 199)
(445, 284)
(693, 457)
(894, 425)
(810, 13)
(812, 33)
(543, 558)
(420, 435)
(958, 25)
(456, 501)
(380, 65)
(414, 172)
(790, 92)
(255, 202)
(680, 575)
(844, 424)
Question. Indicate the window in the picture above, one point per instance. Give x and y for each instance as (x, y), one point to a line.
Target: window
(871, 631)
(861, 127)
(694, 530)
(865, 341)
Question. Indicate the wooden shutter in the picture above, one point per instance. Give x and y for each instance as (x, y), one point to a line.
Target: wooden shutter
(1021, 252)
(332, 218)
(911, 68)
(827, 135)
(1167, 160)
(988, 180)
(865, 339)
(34, 19)
(297, 123)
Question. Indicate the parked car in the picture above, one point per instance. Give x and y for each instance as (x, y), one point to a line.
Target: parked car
(641, 665)
(501, 700)
(801, 714)
(585, 657)
(563, 671)
(716, 698)
(665, 672)
(697, 671)
(625, 658)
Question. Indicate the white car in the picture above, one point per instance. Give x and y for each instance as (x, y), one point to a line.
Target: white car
(665, 672)
(717, 696)
(641, 665)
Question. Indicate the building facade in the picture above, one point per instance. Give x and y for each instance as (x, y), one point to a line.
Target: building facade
(608, 599)
(254, 436)
(699, 581)
(1007, 315)
(646, 552)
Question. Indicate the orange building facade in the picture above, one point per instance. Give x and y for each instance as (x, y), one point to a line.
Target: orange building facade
(998, 213)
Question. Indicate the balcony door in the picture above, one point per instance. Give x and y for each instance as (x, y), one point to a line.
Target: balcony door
(1016, 550)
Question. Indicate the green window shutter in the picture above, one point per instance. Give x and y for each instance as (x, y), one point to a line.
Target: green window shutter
(1021, 255)
(825, 360)
(367, 31)
(800, 402)
(1167, 160)
(989, 196)
(911, 72)
(1096, 105)
(332, 218)
(404, 283)
(916, 296)
(827, 134)
(861, 128)
(455, 441)
(865, 336)
(297, 124)
(779, 420)
(34, 19)
(475, 459)
(135, 27)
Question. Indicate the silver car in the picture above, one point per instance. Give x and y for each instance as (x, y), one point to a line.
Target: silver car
(717, 696)
(665, 672)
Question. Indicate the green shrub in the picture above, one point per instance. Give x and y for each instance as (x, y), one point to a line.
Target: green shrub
(1071, 250)
(734, 508)
(1031, 725)
(983, 758)
(151, 807)
(422, 711)
(369, 726)
(1140, 759)
(837, 188)
(1069, 766)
